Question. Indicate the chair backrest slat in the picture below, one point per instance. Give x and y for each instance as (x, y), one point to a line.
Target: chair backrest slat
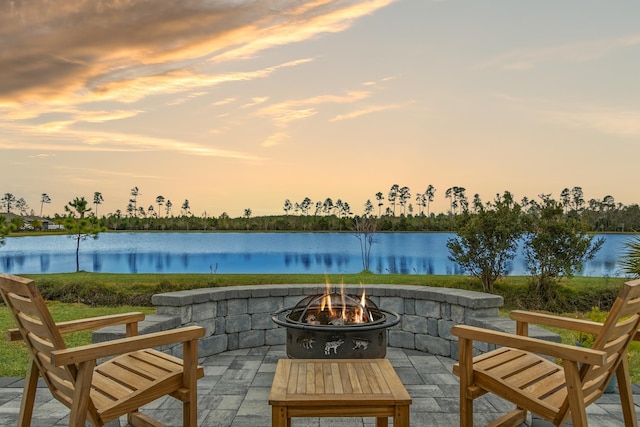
(39, 332)
(617, 333)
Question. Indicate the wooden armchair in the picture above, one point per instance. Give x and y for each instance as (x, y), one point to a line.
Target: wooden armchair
(134, 375)
(522, 371)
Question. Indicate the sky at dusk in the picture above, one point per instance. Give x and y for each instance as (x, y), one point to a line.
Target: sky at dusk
(238, 104)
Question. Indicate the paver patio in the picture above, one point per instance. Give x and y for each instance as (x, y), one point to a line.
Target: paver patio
(234, 393)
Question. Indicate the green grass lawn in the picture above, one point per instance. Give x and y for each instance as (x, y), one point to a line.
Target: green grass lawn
(14, 354)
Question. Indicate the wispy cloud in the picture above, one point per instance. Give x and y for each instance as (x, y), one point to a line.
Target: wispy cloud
(61, 137)
(225, 101)
(256, 101)
(275, 139)
(615, 121)
(285, 112)
(364, 111)
(569, 52)
(612, 121)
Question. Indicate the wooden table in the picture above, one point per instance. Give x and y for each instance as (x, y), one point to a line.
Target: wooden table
(338, 388)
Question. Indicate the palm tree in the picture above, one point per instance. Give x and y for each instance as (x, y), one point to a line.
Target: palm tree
(97, 200)
(630, 260)
(167, 207)
(44, 198)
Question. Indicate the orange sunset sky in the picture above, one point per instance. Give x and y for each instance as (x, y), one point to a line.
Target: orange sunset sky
(236, 104)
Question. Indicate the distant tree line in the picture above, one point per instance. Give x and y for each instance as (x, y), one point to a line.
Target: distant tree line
(395, 210)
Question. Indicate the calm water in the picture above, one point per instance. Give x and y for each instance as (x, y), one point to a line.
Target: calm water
(406, 253)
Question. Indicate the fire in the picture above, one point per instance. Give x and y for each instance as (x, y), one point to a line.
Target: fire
(340, 308)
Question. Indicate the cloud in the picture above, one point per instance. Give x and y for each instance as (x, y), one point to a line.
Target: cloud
(275, 139)
(621, 122)
(364, 111)
(612, 121)
(225, 101)
(285, 112)
(62, 53)
(256, 101)
(569, 52)
(61, 137)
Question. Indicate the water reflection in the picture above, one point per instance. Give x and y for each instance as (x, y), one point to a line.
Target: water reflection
(275, 253)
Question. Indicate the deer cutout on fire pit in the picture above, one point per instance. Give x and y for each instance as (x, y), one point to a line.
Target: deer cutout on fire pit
(333, 345)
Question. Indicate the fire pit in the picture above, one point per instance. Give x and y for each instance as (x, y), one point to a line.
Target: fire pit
(336, 325)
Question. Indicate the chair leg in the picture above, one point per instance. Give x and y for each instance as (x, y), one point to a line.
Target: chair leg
(626, 395)
(80, 405)
(575, 395)
(190, 406)
(465, 359)
(29, 395)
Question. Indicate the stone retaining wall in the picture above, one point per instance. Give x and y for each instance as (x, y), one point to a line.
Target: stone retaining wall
(240, 316)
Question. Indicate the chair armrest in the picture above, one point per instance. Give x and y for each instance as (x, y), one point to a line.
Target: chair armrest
(562, 351)
(586, 326)
(88, 323)
(580, 325)
(125, 345)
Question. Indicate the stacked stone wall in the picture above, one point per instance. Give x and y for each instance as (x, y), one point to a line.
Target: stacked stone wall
(241, 316)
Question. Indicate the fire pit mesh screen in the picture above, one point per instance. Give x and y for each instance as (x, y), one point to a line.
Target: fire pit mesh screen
(336, 325)
(335, 309)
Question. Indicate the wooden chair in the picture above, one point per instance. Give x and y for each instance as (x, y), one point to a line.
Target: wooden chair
(523, 372)
(135, 375)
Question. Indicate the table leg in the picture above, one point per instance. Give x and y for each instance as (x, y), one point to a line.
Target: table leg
(382, 422)
(279, 417)
(401, 416)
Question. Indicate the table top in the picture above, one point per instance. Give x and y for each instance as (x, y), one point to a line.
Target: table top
(337, 382)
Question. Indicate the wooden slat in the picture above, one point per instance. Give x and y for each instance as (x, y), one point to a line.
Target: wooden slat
(373, 379)
(534, 374)
(344, 378)
(353, 379)
(15, 284)
(159, 358)
(380, 378)
(24, 305)
(547, 385)
(515, 365)
(35, 326)
(115, 373)
(105, 384)
(362, 378)
(328, 378)
(292, 384)
(335, 376)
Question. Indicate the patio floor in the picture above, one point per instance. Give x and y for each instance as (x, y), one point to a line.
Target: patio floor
(235, 389)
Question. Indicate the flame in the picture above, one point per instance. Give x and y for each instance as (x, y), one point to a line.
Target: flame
(339, 311)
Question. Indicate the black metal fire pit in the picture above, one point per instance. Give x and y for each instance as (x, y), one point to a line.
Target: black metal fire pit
(336, 325)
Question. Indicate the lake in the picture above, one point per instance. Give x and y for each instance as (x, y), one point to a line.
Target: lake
(229, 253)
